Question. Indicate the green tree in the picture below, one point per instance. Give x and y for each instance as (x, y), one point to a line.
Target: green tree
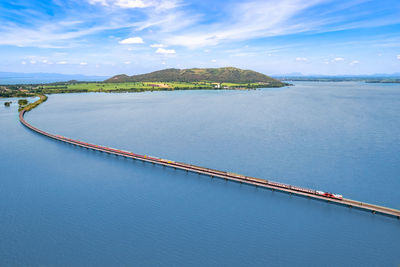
(22, 102)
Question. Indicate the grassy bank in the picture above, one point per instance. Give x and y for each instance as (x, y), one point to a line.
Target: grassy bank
(30, 106)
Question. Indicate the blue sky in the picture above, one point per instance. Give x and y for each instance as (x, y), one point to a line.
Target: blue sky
(107, 37)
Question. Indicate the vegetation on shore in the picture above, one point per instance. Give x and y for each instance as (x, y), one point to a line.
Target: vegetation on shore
(82, 87)
(384, 81)
(22, 102)
(164, 80)
(24, 105)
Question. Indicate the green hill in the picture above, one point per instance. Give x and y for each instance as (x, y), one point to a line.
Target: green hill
(226, 75)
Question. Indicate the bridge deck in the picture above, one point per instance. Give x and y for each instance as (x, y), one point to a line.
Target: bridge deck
(221, 174)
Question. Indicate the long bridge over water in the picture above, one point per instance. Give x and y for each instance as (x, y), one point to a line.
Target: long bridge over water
(310, 193)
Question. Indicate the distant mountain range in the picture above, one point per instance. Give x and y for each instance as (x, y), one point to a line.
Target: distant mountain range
(34, 78)
(376, 75)
(227, 74)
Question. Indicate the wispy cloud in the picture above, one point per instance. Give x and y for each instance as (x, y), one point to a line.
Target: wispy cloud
(159, 4)
(336, 59)
(157, 45)
(301, 59)
(132, 40)
(165, 51)
(46, 35)
(268, 18)
(248, 20)
(174, 24)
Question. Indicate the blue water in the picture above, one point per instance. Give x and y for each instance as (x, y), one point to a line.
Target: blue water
(66, 206)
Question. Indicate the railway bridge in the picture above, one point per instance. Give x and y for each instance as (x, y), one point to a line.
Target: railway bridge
(304, 192)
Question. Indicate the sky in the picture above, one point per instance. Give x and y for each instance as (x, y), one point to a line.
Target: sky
(275, 37)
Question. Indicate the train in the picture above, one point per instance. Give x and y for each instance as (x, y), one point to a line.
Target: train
(210, 171)
(286, 186)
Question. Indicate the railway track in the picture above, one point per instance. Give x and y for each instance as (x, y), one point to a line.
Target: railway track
(272, 185)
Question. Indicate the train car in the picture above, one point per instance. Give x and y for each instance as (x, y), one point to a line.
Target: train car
(305, 190)
(257, 180)
(329, 195)
(167, 161)
(236, 175)
(279, 184)
(151, 157)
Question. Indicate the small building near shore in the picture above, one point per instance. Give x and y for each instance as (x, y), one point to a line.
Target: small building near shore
(216, 85)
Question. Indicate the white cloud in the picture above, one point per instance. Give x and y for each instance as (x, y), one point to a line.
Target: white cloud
(157, 45)
(338, 59)
(62, 62)
(127, 62)
(83, 63)
(131, 3)
(301, 59)
(33, 61)
(174, 24)
(45, 61)
(398, 57)
(23, 62)
(247, 20)
(164, 63)
(214, 60)
(354, 62)
(165, 51)
(158, 4)
(48, 35)
(132, 40)
(102, 2)
(252, 19)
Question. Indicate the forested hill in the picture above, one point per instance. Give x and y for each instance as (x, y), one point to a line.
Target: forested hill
(226, 75)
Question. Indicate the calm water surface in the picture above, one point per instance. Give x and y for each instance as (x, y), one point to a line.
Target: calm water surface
(65, 206)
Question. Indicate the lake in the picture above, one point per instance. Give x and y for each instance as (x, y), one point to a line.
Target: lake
(66, 206)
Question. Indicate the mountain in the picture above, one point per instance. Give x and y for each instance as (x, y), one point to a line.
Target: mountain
(33, 78)
(227, 74)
